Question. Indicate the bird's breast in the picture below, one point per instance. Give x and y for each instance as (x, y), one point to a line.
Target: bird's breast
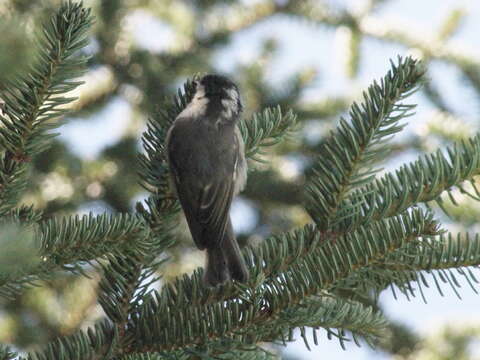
(203, 148)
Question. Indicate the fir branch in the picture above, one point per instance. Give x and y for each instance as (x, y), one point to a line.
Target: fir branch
(245, 353)
(223, 351)
(327, 313)
(151, 356)
(255, 353)
(6, 353)
(127, 276)
(189, 322)
(276, 254)
(242, 352)
(366, 284)
(124, 286)
(65, 243)
(126, 279)
(445, 252)
(346, 160)
(120, 281)
(440, 257)
(159, 211)
(23, 215)
(121, 278)
(32, 101)
(94, 344)
(70, 239)
(376, 278)
(421, 181)
(266, 129)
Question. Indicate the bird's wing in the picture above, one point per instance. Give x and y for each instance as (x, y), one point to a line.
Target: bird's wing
(206, 204)
(206, 209)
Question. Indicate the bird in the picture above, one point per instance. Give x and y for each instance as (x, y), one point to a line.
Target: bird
(206, 157)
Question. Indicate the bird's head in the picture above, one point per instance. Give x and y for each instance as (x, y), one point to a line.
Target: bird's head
(222, 94)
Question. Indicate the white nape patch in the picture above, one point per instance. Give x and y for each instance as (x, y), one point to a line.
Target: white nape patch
(240, 172)
(198, 105)
(230, 105)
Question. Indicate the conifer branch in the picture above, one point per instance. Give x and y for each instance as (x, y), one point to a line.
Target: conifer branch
(275, 256)
(71, 238)
(326, 313)
(443, 252)
(346, 160)
(23, 215)
(123, 288)
(421, 181)
(126, 279)
(242, 352)
(94, 344)
(6, 353)
(410, 283)
(266, 129)
(159, 212)
(191, 319)
(64, 243)
(32, 101)
(120, 281)
(440, 257)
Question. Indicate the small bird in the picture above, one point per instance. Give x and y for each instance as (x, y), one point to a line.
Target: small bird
(206, 156)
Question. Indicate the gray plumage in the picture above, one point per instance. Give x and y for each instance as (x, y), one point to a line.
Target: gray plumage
(208, 167)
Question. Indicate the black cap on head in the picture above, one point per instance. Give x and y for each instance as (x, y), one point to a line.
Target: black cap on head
(216, 84)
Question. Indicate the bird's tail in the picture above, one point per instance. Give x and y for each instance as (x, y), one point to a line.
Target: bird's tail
(225, 261)
(216, 270)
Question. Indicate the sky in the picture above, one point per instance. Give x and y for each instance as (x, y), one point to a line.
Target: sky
(306, 45)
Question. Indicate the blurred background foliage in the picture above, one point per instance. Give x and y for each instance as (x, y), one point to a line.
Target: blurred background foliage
(142, 50)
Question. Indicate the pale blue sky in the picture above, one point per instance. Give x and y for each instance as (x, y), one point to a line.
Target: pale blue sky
(303, 44)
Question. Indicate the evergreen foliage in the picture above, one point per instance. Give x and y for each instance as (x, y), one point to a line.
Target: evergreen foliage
(34, 99)
(349, 155)
(367, 232)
